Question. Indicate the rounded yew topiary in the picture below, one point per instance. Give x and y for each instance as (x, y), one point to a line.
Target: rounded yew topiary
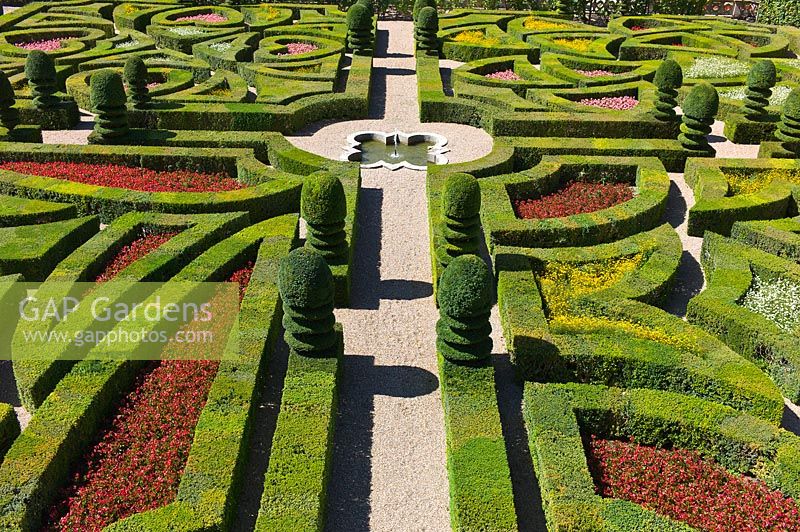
(668, 79)
(425, 29)
(136, 78)
(41, 73)
(465, 302)
(699, 109)
(9, 115)
(461, 223)
(419, 4)
(323, 206)
(789, 127)
(368, 4)
(305, 284)
(359, 29)
(107, 95)
(760, 80)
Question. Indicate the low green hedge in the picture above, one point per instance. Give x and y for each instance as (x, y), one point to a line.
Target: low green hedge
(564, 66)
(22, 211)
(778, 237)
(730, 268)
(740, 130)
(614, 337)
(560, 416)
(502, 226)
(9, 428)
(498, 44)
(715, 211)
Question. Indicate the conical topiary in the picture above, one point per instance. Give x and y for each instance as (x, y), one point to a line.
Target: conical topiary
(789, 127)
(136, 78)
(323, 206)
(465, 302)
(668, 79)
(461, 223)
(760, 80)
(359, 29)
(9, 115)
(41, 73)
(108, 102)
(305, 284)
(699, 109)
(419, 4)
(565, 7)
(425, 29)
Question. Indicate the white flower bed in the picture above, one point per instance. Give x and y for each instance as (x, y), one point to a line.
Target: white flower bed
(126, 44)
(220, 46)
(779, 94)
(186, 31)
(717, 67)
(777, 300)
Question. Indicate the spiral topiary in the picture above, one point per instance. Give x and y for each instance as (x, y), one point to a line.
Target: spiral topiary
(108, 99)
(668, 79)
(789, 127)
(135, 76)
(465, 302)
(461, 223)
(41, 73)
(699, 109)
(565, 7)
(419, 4)
(9, 115)
(305, 284)
(760, 80)
(323, 206)
(425, 29)
(359, 29)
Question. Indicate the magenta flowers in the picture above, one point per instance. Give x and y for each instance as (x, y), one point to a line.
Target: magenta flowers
(204, 17)
(617, 103)
(296, 48)
(506, 75)
(595, 73)
(46, 45)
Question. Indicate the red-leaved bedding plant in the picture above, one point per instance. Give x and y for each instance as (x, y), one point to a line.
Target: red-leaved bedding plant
(576, 197)
(133, 252)
(138, 459)
(128, 177)
(681, 485)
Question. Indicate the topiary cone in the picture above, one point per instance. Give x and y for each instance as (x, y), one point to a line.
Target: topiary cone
(465, 302)
(789, 127)
(760, 80)
(107, 95)
(425, 30)
(699, 109)
(565, 7)
(305, 284)
(323, 206)
(419, 4)
(461, 223)
(359, 29)
(668, 79)
(41, 73)
(136, 78)
(9, 115)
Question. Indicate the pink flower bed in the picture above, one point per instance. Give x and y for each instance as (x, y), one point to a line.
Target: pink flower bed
(295, 48)
(595, 73)
(133, 252)
(129, 177)
(617, 103)
(506, 75)
(137, 462)
(204, 17)
(682, 485)
(153, 85)
(47, 45)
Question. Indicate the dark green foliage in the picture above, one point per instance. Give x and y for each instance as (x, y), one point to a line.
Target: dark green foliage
(789, 128)
(699, 109)
(668, 79)
(368, 4)
(9, 115)
(359, 28)
(565, 7)
(465, 301)
(461, 205)
(426, 27)
(41, 73)
(108, 101)
(760, 81)
(135, 75)
(323, 206)
(419, 4)
(783, 12)
(305, 284)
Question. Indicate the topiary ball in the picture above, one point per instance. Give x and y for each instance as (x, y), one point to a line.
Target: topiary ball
(368, 4)
(762, 76)
(304, 279)
(322, 199)
(359, 17)
(702, 102)
(428, 19)
(135, 70)
(39, 66)
(107, 90)
(419, 4)
(461, 197)
(465, 288)
(669, 75)
(6, 90)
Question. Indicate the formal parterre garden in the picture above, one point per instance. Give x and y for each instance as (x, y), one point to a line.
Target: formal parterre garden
(636, 419)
